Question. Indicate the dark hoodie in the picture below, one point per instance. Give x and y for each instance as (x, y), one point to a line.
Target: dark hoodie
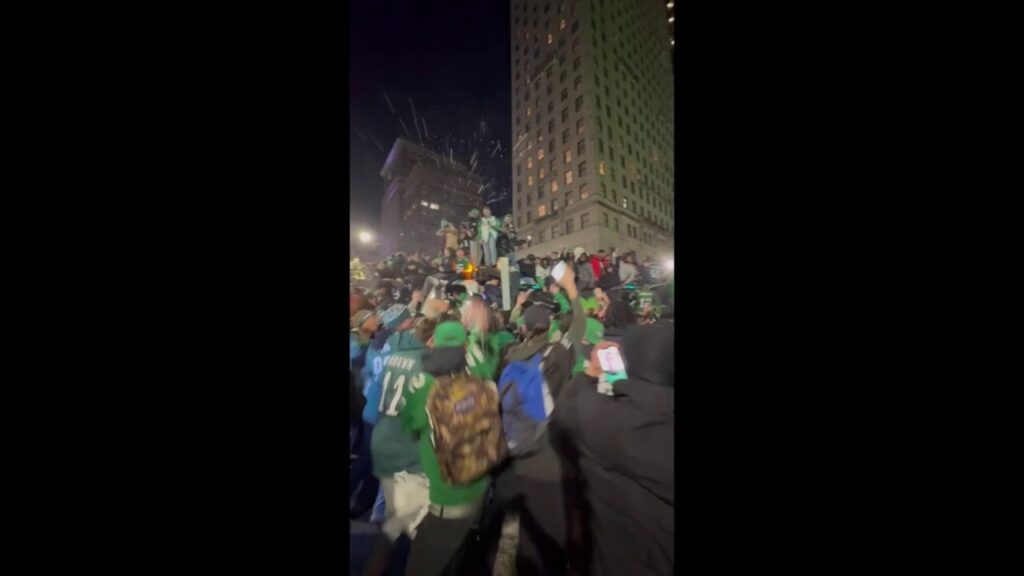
(546, 463)
(625, 445)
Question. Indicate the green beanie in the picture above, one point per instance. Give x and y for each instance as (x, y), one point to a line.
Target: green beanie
(449, 335)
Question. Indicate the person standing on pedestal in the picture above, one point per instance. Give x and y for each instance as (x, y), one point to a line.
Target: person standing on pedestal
(489, 227)
(474, 236)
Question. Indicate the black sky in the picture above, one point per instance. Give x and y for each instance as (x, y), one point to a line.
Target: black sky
(452, 59)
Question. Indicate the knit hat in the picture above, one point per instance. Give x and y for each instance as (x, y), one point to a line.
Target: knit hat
(578, 251)
(394, 316)
(449, 335)
(594, 331)
(360, 317)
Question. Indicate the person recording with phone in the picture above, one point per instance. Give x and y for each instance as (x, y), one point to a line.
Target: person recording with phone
(618, 419)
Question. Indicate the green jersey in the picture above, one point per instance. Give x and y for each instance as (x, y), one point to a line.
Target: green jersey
(393, 448)
(414, 416)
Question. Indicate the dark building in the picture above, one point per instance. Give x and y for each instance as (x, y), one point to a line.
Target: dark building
(420, 188)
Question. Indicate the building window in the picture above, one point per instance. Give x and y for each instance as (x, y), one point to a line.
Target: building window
(434, 206)
(584, 220)
(579, 103)
(604, 219)
(568, 177)
(528, 214)
(582, 169)
(540, 154)
(569, 225)
(568, 156)
(561, 25)
(581, 147)
(529, 198)
(570, 198)
(519, 204)
(565, 94)
(541, 174)
(554, 205)
(565, 136)
(529, 111)
(551, 38)
(542, 210)
(529, 163)
(540, 236)
(554, 231)
(576, 46)
(551, 147)
(615, 223)
(519, 169)
(600, 167)
(519, 221)
(576, 60)
(604, 190)
(551, 126)
(580, 126)
(576, 83)
(584, 193)
(600, 146)
(554, 186)
(529, 180)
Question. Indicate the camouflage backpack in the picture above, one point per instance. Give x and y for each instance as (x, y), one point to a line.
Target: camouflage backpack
(466, 425)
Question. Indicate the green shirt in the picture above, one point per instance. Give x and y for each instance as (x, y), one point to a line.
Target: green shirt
(414, 417)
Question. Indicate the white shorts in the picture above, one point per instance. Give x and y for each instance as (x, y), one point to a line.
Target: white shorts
(407, 500)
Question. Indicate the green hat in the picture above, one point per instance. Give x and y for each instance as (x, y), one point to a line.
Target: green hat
(590, 303)
(449, 335)
(594, 331)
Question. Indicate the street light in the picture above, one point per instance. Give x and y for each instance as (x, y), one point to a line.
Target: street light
(365, 237)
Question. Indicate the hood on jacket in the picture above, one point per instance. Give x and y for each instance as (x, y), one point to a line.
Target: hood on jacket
(444, 361)
(649, 354)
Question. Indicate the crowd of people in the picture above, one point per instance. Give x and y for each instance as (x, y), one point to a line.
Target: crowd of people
(552, 421)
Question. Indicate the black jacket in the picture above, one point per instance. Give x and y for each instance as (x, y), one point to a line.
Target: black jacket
(625, 444)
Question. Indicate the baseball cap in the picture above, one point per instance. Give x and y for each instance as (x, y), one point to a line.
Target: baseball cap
(537, 317)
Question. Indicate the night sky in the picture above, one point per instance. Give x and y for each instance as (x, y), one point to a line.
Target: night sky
(451, 58)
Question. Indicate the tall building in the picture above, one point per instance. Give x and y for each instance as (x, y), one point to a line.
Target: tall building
(592, 125)
(420, 188)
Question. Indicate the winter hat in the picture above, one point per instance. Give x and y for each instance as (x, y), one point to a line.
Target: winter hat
(590, 304)
(361, 317)
(394, 316)
(578, 251)
(537, 317)
(449, 335)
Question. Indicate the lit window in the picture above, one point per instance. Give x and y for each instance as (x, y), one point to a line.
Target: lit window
(568, 156)
(625, 203)
(529, 180)
(542, 210)
(434, 206)
(551, 38)
(423, 203)
(529, 163)
(561, 25)
(584, 193)
(540, 153)
(541, 175)
(568, 177)
(600, 167)
(529, 111)
(580, 126)
(554, 185)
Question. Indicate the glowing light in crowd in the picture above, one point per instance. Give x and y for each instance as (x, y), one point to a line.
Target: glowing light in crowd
(670, 264)
(365, 237)
(671, 18)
